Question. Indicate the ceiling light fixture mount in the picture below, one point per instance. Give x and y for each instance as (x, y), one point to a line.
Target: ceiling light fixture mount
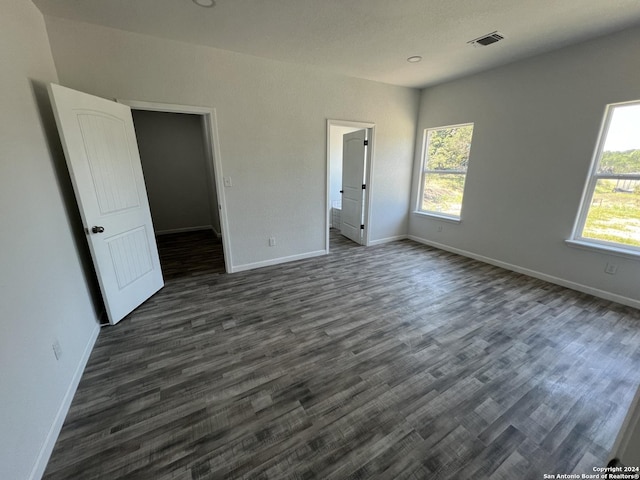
(205, 3)
(414, 59)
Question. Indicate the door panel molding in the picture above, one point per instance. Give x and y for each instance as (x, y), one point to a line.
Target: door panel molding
(354, 162)
(369, 177)
(101, 152)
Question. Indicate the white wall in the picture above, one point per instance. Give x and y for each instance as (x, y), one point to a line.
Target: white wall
(336, 135)
(44, 294)
(272, 128)
(536, 126)
(626, 448)
(173, 161)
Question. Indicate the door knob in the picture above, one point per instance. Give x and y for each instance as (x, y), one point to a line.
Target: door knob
(97, 229)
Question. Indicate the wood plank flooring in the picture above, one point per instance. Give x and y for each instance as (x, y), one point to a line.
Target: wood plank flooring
(397, 361)
(190, 253)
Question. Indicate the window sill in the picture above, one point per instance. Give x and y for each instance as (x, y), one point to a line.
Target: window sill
(436, 216)
(596, 247)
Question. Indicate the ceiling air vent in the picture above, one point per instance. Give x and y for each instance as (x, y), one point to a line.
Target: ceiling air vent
(485, 40)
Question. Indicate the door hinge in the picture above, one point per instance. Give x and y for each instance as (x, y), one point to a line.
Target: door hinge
(366, 142)
(361, 227)
(364, 186)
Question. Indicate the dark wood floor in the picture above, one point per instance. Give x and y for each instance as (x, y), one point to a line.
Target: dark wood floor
(397, 361)
(190, 253)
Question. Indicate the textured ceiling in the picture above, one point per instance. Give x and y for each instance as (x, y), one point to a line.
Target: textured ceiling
(365, 38)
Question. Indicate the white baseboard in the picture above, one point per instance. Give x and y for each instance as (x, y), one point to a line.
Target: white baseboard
(276, 261)
(387, 240)
(596, 292)
(56, 426)
(187, 229)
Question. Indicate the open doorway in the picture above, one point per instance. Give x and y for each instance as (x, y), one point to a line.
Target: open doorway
(178, 155)
(349, 185)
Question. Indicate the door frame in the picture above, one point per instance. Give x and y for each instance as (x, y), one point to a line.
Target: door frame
(371, 133)
(213, 157)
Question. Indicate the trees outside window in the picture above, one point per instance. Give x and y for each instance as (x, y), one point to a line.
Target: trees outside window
(444, 170)
(610, 211)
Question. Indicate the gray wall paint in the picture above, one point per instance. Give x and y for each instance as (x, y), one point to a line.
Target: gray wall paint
(44, 294)
(173, 161)
(272, 128)
(536, 126)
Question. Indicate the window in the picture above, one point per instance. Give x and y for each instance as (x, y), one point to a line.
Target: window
(610, 211)
(444, 169)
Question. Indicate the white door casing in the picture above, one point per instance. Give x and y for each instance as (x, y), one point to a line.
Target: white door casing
(214, 162)
(353, 168)
(100, 146)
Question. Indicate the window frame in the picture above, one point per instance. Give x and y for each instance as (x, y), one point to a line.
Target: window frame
(577, 238)
(424, 172)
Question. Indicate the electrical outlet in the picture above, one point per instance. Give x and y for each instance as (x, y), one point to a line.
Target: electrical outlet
(611, 268)
(57, 349)
(439, 228)
(227, 181)
(272, 241)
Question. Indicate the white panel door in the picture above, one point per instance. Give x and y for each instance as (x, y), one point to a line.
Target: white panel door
(353, 165)
(102, 156)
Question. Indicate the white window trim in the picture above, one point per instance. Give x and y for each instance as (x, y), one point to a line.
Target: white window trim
(439, 216)
(595, 246)
(577, 240)
(424, 171)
